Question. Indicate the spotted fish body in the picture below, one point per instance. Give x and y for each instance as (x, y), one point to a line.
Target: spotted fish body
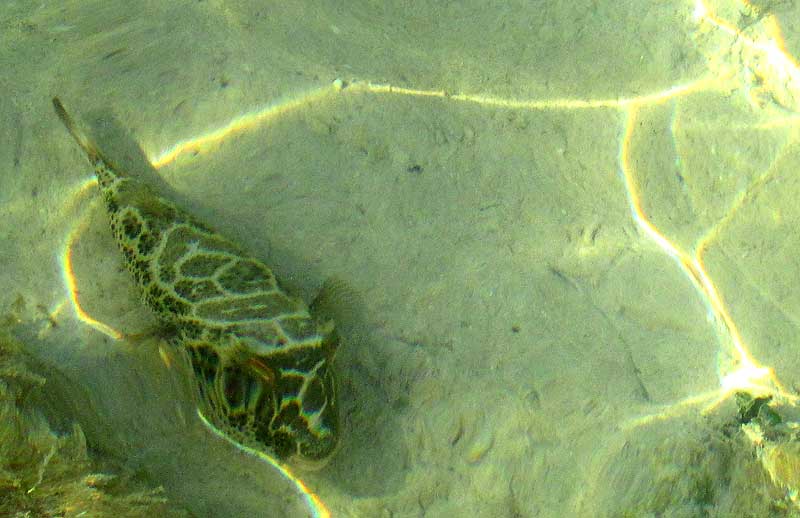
(262, 362)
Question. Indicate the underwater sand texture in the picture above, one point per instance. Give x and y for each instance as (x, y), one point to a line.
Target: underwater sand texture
(514, 322)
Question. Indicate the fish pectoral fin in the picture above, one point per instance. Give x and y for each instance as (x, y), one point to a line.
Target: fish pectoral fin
(335, 300)
(338, 302)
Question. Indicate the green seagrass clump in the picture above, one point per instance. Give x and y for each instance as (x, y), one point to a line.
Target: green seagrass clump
(45, 474)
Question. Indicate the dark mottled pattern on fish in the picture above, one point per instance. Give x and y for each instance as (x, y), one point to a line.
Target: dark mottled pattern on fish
(263, 364)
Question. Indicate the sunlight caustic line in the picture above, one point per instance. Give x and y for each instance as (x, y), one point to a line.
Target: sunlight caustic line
(748, 373)
(710, 398)
(312, 501)
(70, 281)
(779, 69)
(252, 119)
(774, 49)
(242, 123)
(545, 104)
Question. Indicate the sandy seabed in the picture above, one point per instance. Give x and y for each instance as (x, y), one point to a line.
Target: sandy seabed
(515, 323)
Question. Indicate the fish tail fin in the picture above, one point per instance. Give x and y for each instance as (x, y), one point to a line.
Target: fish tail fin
(78, 134)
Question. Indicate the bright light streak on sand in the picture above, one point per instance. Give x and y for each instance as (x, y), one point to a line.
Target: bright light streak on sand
(68, 274)
(748, 374)
(249, 121)
(313, 502)
(241, 123)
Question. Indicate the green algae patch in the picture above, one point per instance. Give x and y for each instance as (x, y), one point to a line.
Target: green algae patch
(47, 474)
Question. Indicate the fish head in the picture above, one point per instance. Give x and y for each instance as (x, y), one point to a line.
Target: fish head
(282, 403)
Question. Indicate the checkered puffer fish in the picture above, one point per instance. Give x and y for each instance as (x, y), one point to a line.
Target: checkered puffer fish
(263, 363)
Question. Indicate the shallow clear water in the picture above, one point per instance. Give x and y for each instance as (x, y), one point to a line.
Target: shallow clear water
(568, 230)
